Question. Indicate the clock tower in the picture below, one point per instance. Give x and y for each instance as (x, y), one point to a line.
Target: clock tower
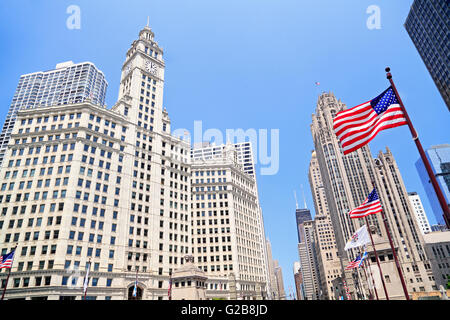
(156, 169)
(142, 82)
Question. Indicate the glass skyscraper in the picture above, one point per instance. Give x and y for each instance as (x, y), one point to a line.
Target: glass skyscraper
(427, 25)
(439, 157)
(67, 83)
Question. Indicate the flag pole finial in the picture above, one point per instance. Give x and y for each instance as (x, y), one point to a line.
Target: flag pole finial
(388, 75)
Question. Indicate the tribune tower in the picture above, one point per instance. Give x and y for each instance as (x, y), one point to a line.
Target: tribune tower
(347, 180)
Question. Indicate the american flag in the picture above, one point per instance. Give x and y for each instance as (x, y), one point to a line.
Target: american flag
(354, 264)
(6, 260)
(371, 205)
(357, 262)
(357, 126)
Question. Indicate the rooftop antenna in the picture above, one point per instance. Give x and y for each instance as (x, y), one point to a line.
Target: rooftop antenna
(296, 202)
(303, 194)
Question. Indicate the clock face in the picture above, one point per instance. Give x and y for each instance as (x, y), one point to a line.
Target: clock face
(151, 67)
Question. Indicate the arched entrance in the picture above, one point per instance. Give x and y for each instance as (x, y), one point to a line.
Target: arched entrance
(139, 292)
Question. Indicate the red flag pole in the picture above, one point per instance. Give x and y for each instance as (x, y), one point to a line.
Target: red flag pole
(170, 285)
(391, 243)
(371, 276)
(371, 296)
(376, 257)
(6, 284)
(397, 264)
(9, 273)
(434, 182)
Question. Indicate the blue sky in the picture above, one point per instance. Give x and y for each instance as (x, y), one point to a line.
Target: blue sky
(244, 64)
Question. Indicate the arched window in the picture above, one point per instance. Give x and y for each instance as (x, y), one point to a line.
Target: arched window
(139, 292)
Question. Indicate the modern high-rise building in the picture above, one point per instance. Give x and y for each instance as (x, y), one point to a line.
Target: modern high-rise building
(110, 186)
(347, 181)
(309, 262)
(439, 158)
(228, 231)
(309, 267)
(427, 25)
(419, 212)
(68, 83)
(206, 151)
(327, 255)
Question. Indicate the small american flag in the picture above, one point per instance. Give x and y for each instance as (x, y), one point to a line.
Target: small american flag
(357, 126)
(357, 262)
(371, 205)
(354, 264)
(6, 260)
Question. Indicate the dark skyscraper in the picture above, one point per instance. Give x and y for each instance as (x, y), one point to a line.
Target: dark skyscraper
(427, 25)
(301, 216)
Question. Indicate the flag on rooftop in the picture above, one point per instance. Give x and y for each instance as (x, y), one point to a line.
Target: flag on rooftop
(371, 205)
(357, 126)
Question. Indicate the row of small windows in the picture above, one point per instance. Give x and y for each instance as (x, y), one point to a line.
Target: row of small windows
(210, 188)
(209, 172)
(106, 122)
(53, 207)
(211, 196)
(36, 222)
(37, 196)
(48, 148)
(26, 281)
(52, 127)
(150, 52)
(45, 119)
(213, 180)
(94, 282)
